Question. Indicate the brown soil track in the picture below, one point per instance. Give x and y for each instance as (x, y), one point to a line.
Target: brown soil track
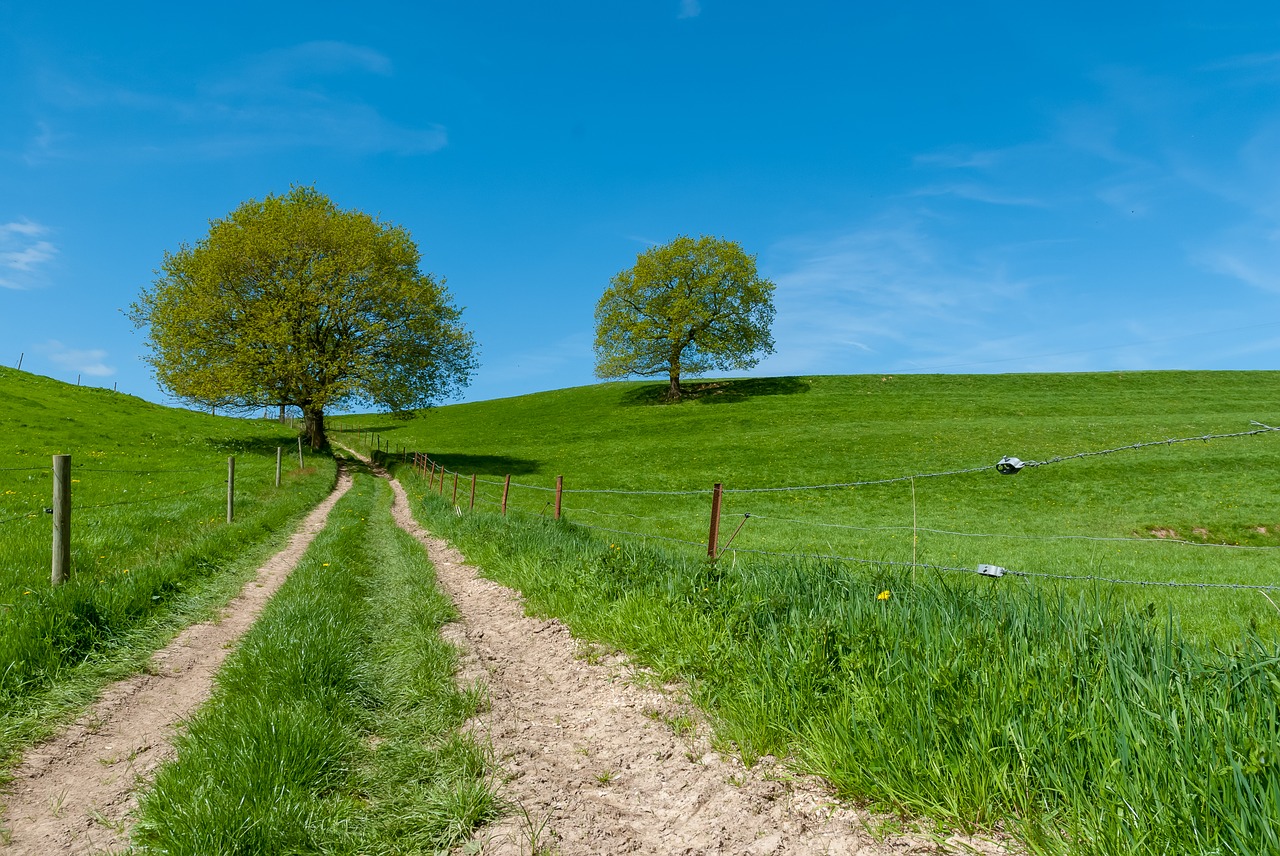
(74, 793)
(590, 758)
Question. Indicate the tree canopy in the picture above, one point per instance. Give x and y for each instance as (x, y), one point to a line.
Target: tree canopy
(293, 301)
(690, 305)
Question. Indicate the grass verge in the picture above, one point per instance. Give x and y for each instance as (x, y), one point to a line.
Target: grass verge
(1070, 718)
(333, 727)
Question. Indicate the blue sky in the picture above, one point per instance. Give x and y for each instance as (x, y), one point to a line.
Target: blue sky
(933, 187)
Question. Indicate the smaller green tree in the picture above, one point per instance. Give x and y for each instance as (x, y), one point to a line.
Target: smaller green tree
(688, 306)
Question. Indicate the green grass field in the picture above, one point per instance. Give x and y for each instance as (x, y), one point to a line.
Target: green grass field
(1129, 515)
(1085, 717)
(150, 544)
(333, 728)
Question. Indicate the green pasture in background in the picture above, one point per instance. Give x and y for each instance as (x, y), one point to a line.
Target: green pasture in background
(1124, 515)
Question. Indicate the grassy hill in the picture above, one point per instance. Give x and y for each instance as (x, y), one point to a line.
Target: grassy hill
(1141, 514)
(845, 628)
(150, 542)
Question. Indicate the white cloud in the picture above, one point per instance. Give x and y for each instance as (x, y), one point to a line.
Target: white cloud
(689, 9)
(24, 253)
(88, 362)
(303, 96)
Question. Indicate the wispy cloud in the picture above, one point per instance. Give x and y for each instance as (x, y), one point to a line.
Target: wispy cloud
(24, 254)
(979, 193)
(89, 362)
(303, 96)
(689, 9)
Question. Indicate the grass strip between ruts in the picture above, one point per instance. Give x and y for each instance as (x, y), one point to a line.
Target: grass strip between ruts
(1070, 719)
(332, 728)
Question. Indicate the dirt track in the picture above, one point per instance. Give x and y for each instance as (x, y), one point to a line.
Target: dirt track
(74, 793)
(596, 758)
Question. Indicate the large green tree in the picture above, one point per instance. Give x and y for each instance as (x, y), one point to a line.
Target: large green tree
(293, 301)
(688, 306)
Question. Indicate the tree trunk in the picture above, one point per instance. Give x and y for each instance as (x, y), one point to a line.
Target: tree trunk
(313, 427)
(674, 392)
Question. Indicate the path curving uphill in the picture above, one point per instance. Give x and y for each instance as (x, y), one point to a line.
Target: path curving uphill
(74, 793)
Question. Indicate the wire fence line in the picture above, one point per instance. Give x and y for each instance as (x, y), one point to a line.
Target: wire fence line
(220, 485)
(1006, 465)
(1204, 438)
(1011, 535)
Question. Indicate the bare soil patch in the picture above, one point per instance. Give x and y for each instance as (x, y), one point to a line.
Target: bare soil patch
(598, 758)
(74, 793)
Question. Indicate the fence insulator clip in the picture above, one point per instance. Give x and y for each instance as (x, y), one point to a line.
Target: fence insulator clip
(48, 511)
(991, 570)
(1009, 466)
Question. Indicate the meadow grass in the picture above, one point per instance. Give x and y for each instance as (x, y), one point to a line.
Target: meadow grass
(1147, 514)
(333, 726)
(151, 548)
(1066, 717)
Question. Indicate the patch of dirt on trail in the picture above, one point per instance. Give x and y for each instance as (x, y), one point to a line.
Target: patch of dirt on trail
(599, 760)
(74, 793)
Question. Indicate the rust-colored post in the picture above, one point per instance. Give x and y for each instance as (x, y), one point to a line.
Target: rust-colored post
(559, 491)
(431, 485)
(714, 536)
(455, 489)
(472, 506)
(443, 471)
(506, 488)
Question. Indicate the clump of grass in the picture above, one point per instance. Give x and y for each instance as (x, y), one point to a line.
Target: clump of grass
(1083, 724)
(332, 727)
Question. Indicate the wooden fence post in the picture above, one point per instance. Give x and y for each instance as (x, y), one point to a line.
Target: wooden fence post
(231, 488)
(61, 519)
(455, 489)
(299, 451)
(431, 484)
(714, 535)
(279, 455)
(472, 506)
(506, 488)
(442, 475)
(559, 490)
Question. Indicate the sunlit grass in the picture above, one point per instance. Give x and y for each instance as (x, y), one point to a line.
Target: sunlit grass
(333, 725)
(1069, 718)
(150, 541)
(1117, 516)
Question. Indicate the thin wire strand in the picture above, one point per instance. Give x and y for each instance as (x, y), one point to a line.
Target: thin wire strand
(150, 499)
(22, 469)
(30, 515)
(1261, 429)
(1178, 541)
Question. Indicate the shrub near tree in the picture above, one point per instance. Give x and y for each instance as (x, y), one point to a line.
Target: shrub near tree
(688, 306)
(293, 301)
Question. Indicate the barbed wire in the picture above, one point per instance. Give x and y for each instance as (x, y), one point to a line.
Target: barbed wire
(1107, 539)
(150, 499)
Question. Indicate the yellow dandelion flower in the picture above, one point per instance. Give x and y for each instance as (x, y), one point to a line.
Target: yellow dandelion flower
(884, 595)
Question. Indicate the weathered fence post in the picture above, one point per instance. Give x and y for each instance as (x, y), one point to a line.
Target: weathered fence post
(432, 484)
(231, 489)
(279, 455)
(61, 519)
(443, 472)
(714, 535)
(472, 506)
(299, 451)
(506, 488)
(455, 489)
(559, 491)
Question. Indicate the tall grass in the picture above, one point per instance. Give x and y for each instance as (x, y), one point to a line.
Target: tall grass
(1079, 722)
(150, 544)
(332, 729)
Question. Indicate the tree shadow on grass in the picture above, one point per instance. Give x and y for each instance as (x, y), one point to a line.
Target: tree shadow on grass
(716, 391)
